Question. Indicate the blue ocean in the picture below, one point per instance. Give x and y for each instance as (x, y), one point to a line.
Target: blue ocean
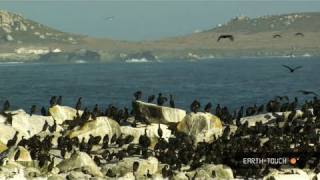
(229, 82)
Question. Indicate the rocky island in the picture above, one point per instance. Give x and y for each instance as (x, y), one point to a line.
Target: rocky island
(159, 142)
(287, 35)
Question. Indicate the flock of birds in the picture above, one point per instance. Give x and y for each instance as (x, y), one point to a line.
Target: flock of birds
(179, 151)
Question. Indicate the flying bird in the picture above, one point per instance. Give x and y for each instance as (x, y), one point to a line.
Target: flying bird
(308, 92)
(299, 34)
(276, 36)
(226, 36)
(292, 69)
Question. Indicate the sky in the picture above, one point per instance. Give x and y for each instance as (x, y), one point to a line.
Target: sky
(147, 19)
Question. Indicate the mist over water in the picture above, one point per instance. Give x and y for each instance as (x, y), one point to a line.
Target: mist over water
(230, 82)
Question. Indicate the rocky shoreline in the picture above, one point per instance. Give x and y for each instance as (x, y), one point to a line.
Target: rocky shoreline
(156, 142)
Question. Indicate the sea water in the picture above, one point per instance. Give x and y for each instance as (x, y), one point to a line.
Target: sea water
(230, 82)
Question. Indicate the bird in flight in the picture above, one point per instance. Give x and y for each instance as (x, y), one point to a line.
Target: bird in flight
(109, 18)
(292, 69)
(308, 92)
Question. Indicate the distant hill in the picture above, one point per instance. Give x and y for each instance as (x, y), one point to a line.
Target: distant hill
(304, 22)
(16, 29)
(25, 40)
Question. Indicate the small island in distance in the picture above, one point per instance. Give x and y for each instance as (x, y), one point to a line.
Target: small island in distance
(287, 35)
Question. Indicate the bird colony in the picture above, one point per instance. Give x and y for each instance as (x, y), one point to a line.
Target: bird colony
(159, 141)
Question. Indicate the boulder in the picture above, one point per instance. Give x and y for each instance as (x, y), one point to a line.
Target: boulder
(128, 176)
(62, 113)
(2, 119)
(3, 147)
(155, 114)
(78, 175)
(7, 132)
(267, 117)
(180, 176)
(28, 125)
(56, 177)
(33, 173)
(80, 160)
(157, 176)
(124, 166)
(206, 172)
(221, 171)
(284, 174)
(201, 126)
(263, 118)
(152, 132)
(25, 124)
(99, 127)
(12, 171)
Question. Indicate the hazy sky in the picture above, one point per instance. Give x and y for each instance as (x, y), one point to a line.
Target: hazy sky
(138, 20)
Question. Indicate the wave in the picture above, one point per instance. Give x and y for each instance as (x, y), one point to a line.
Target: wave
(11, 63)
(134, 60)
(80, 61)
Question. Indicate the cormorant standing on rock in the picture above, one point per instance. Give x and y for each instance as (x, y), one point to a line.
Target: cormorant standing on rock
(96, 159)
(53, 127)
(151, 98)
(13, 141)
(53, 101)
(23, 142)
(33, 109)
(171, 101)
(137, 95)
(6, 106)
(208, 107)
(160, 133)
(8, 117)
(120, 141)
(59, 101)
(105, 141)
(113, 139)
(110, 173)
(129, 139)
(78, 105)
(125, 114)
(218, 111)
(195, 106)
(240, 113)
(144, 140)
(63, 152)
(96, 110)
(17, 155)
(43, 111)
(45, 126)
(148, 174)
(51, 165)
(260, 109)
(166, 172)
(161, 99)
(135, 166)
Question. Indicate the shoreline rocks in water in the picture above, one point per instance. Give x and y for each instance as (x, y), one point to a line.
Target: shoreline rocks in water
(173, 144)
